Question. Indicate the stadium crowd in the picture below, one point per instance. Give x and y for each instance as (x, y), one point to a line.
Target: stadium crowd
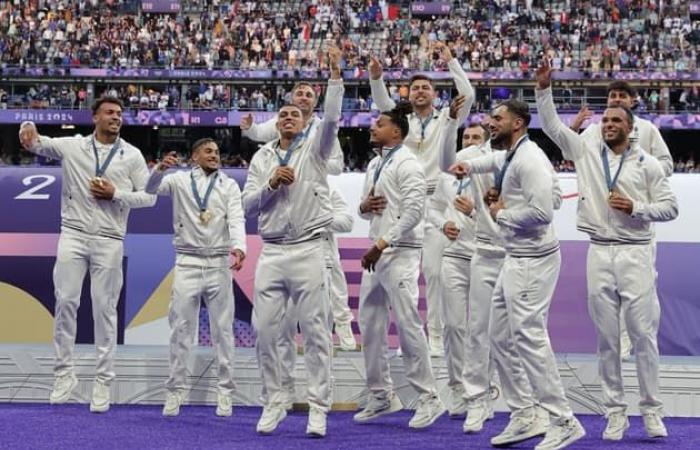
(592, 35)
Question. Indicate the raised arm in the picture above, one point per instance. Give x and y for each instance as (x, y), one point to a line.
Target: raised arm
(572, 145)
(158, 183)
(328, 129)
(663, 205)
(413, 188)
(264, 132)
(53, 148)
(448, 146)
(342, 219)
(378, 89)
(536, 183)
(236, 218)
(462, 83)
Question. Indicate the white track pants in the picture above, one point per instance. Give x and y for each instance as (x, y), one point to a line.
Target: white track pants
(339, 308)
(77, 253)
(527, 285)
(455, 301)
(434, 243)
(191, 284)
(487, 266)
(478, 366)
(394, 285)
(284, 274)
(621, 279)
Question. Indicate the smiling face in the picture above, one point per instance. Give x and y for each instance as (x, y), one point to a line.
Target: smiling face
(108, 119)
(473, 135)
(615, 126)
(620, 98)
(305, 98)
(290, 121)
(502, 125)
(207, 156)
(383, 131)
(421, 93)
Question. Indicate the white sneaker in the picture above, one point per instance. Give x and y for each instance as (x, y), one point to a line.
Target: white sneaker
(456, 405)
(562, 435)
(62, 388)
(376, 408)
(100, 397)
(618, 423)
(436, 347)
(522, 426)
(477, 414)
(399, 352)
(172, 404)
(270, 418)
(288, 396)
(654, 425)
(428, 410)
(345, 336)
(317, 423)
(224, 405)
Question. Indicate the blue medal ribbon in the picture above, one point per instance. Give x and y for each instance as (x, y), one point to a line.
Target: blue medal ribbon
(387, 158)
(462, 185)
(500, 175)
(611, 182)
(100, 170)
(202, 202)
(297, 142)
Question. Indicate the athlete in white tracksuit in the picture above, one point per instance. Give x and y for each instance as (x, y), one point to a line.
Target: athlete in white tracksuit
(338, 292)
(97, 195)
(488, 319)
(427, 126)
(459, 228)
(305, 97)
(647, 136)
(393, 201)
(524, 211)
(209, 225)
(287, 190)
(620, 268)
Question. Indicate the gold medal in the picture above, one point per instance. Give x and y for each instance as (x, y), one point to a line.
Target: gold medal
(97, 181)
(205, 216)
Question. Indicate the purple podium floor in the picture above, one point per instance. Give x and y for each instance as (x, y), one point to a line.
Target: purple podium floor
(73, 426)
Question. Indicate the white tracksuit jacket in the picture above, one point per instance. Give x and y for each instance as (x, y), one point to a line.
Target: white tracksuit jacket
(400, 182)
(79, 209)
(642, 180)
(225, 231)
(427, 149)
(267, 131)
(295, 212)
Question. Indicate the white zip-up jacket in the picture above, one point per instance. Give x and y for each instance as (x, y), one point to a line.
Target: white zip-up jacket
(526, 221)
(342, 222)
(402, 183)
(296, 212)
(267, 131)
(645, 134)
(79, 209)
(441, 210)
(641, 179)
(425, 144)
(226, 229)
(488, 232)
